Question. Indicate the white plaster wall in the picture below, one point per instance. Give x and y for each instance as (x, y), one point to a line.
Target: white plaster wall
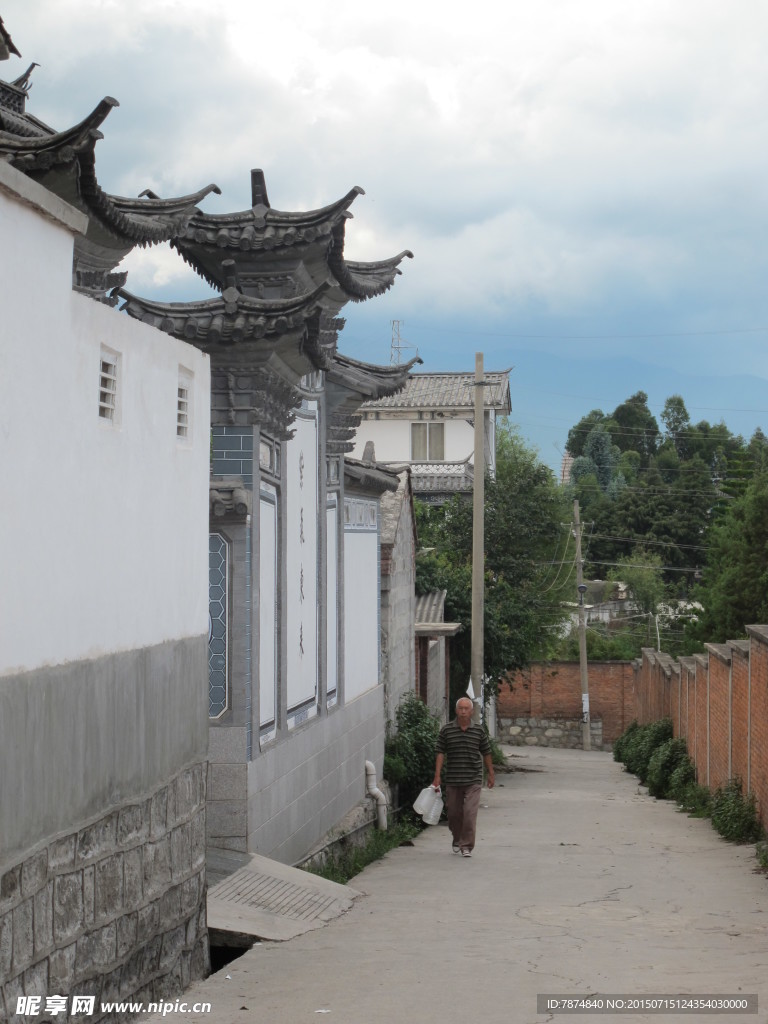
(332, 600)
(268, 606)
(301, 548)
(101, 544)
(361, 612)
(392, 439)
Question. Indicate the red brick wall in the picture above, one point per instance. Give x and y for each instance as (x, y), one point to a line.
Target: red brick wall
(718, 704)
(553, 690)
(759, 717)
(740, 714)
(719, 715)
(701, 756)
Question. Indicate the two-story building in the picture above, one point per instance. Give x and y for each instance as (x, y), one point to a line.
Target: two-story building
(429, 424)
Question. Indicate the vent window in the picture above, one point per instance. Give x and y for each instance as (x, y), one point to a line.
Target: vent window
(109, 367)
(184, 405)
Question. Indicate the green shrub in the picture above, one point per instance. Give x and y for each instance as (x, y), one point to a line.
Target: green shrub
(663, 762)
(682, 778)
(498, 757)
(409, 754)
(351, 861)
(734, 815)
(619, 747)
(684, 789)
(640, 745)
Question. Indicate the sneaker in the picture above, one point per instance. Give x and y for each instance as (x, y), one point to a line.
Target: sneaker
(456, 848)
(466, 853)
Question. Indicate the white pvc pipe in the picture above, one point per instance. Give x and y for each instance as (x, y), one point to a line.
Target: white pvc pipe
(373, 790)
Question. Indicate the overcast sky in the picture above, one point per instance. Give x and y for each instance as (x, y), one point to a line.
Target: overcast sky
(582, 182)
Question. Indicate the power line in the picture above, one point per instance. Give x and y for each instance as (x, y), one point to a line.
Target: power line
(594, 337)
(642, 541)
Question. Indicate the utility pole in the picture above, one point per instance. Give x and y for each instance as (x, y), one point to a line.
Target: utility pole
(478, 532)
(586, 741)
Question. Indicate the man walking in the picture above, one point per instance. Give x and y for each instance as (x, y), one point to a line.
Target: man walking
(465, 747)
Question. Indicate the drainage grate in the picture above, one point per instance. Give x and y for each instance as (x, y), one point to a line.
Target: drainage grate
(264, 892)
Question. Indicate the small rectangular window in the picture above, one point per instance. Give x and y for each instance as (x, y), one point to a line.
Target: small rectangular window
(109, 366)
(184, 404)
(427, 442)
(419, 442)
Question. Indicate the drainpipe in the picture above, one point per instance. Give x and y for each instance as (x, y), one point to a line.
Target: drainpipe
(373, 790)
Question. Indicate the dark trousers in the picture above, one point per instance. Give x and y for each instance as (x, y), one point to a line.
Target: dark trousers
(461, 804)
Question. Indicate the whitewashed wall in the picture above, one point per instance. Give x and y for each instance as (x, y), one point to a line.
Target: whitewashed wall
(332, 601)
(267, 597)
(392, 439)
(301, 551)
(361, 597)
(101, 524)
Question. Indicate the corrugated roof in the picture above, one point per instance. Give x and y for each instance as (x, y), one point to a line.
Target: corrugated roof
(448, 391)
(429, 607)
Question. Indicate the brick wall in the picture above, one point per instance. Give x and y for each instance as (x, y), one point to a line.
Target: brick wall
(719, 706)
(552, 690)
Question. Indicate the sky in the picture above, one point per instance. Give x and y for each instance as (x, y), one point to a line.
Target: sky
(582, 184)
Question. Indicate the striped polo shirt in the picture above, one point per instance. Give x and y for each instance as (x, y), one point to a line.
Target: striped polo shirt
(463, 750)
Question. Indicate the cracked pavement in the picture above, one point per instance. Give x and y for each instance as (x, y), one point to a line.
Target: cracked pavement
(580, 884)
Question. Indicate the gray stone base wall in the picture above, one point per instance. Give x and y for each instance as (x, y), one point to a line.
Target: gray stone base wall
(548, 732)
(299, 787)
(114, 909)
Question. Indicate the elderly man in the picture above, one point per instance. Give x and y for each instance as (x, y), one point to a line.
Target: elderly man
(464, 746)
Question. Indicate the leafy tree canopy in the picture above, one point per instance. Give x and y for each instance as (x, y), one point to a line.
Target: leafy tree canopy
(527, 552)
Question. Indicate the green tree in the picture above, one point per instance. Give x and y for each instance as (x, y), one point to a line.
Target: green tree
(734, 589)
(529, 556)
(636, 427)
(578, 434)
(642, 573)
(677, 423)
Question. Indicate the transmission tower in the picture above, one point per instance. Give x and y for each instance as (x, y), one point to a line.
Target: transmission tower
(399, 345)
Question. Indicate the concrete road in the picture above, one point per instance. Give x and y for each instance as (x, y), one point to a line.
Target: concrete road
(581, 884)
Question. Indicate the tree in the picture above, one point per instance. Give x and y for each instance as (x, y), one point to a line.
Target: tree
(578, 434)
(528, 560)
(676, 424)
(734, 589)
(642, 573)
(636, 427)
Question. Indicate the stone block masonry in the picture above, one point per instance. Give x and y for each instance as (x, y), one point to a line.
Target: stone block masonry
(549, 732)
(552, 690)
(114, 909)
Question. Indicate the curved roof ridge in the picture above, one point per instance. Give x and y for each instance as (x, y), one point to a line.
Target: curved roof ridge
(362, 281)
(149, 202)
(82, 135)
(278, 218)
(230, 301)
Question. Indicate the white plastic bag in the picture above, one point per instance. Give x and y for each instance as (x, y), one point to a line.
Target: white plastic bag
(432, 816)
(424, 800)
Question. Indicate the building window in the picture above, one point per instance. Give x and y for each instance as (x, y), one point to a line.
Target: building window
(109, 367)
(427, 442)
(184, 405)
(269, 457)
(218, 625)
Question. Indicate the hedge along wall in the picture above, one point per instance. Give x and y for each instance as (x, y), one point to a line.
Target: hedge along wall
(718, 703)
(552, 690)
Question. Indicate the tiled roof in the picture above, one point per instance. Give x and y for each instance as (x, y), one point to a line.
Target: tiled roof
(448, 391)
(6, 43)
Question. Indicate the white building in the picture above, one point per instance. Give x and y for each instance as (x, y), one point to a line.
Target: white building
(103, 547)
(430, 425)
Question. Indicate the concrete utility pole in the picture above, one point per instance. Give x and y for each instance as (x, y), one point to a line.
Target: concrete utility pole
(478, 533)
(586, 741)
